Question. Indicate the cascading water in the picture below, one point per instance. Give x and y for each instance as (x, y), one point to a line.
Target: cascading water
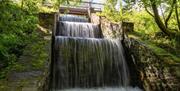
(83, 61)
(103, 89)
(78, 29)
(73, 18)
(89, 62)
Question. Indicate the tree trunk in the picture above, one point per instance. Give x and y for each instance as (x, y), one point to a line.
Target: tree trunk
(158, 19)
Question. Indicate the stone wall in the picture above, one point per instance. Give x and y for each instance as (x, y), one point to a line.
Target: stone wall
(95, 19)
(110, 30)
(31, 72)
(154, 75)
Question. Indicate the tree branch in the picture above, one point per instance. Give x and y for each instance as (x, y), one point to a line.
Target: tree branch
(158, 19)
(148, 12)
(170, 13)
(22, 4)
(177, 15)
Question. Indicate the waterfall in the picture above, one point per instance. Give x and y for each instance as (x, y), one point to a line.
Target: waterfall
(90, 62)
(103, 89)
(73, 18)
(84, 61)
(78, 29)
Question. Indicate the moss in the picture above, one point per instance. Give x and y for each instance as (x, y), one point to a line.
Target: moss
(169, 61)
(34, 58)
(177, 71)
(3, 85)
(19, 67)
(162, 53)
(41, 57)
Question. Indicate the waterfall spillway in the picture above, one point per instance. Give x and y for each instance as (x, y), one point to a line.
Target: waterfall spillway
(73, 18)
(89, 63)
(83, 59)
(78, 29)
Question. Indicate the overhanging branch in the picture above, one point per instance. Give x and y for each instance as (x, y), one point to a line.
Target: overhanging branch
(170, 13)
(149, 12)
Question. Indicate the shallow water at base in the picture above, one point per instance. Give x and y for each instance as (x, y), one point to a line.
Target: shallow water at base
(103, 89)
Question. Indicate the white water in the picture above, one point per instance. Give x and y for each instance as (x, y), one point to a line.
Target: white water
(88, 62)
(73, 18)
(103, 89)
(84, 59)
(79, 29)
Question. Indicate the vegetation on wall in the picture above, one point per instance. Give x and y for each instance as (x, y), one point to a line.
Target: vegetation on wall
(17, 29)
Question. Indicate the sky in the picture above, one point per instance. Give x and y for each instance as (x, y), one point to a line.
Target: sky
(103, 1)
(97, 1)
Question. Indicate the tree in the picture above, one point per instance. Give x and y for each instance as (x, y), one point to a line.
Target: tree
(162, 18)
(154, 5)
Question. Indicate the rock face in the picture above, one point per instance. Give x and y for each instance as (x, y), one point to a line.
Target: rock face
(154, 75)
(111, 30)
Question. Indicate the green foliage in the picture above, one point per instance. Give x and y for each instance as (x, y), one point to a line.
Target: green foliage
(34, 57)
(31, 6)
(57, 3)
(40, 55)
(146, 28)
(111, 14)
(110, 11)
(18, 22)
(143, 23)
(17, 27)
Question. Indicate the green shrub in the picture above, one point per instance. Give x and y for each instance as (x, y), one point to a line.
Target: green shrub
(17, 27)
